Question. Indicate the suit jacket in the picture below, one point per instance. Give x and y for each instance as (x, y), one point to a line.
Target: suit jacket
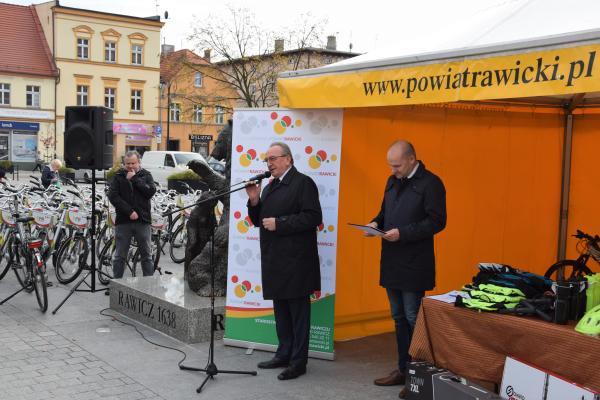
(418, 210)
(289, 255)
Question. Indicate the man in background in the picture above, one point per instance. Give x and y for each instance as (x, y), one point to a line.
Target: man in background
(130, 193)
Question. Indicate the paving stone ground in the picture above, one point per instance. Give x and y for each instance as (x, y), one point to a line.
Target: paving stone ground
(79, 354)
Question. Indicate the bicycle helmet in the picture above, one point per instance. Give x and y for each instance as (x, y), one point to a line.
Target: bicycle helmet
(590, 323)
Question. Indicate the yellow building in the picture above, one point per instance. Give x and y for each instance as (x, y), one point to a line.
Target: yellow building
(27, 80)
(106, 60)
(200, 104)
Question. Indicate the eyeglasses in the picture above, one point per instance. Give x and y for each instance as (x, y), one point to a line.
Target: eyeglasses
(272, 158)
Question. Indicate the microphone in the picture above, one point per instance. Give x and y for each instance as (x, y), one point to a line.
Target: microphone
(260, 177)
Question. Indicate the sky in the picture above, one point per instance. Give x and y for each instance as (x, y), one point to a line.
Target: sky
(367, 25)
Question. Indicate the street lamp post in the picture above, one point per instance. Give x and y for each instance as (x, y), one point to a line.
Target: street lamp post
(168, 115)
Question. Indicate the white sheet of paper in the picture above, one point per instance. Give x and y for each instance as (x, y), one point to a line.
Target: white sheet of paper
(368, 229)
(449, 297)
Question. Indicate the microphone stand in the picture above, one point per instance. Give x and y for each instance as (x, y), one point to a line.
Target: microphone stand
(211, 368)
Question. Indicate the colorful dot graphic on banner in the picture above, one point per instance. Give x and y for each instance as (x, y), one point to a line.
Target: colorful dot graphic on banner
(243, 288)
(325, 229)
(285, 122)
(320, 157)
(247, 156)
(243, 225)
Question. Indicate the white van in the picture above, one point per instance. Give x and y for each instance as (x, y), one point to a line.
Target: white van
(161, 164)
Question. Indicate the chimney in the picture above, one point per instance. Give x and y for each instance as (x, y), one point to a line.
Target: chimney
(331, 43)
(279, 45)
(167, 49)
(207, 54)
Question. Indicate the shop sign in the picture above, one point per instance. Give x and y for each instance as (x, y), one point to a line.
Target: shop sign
(201, 138)
(21, 126)
(18, 113)
(142, 129)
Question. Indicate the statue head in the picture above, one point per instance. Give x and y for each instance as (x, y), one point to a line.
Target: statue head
(222, 149)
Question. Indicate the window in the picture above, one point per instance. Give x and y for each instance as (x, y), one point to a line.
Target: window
(219, 115)
(83, 49)
(82, 95)
(110, 52)
(198, 79)
(136, 100)
(5, 94)
(136, 54)
(169, 161)
(110, 96)
(197, 117)
(175, 112)
(33, 96)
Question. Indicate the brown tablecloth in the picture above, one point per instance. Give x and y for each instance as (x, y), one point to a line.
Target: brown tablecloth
(475, 344)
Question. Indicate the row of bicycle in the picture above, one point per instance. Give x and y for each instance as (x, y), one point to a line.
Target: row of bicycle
(39, 226)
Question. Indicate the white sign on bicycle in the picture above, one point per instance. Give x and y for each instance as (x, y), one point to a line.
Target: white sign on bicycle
(78, 218)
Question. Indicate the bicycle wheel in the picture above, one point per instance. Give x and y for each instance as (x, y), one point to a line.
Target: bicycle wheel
(17, 263)
(105, 236)
(105, 267)
(38, 279)
(566, 270)
(61, 236)
(4, 258)
(178, 243)
(71, 257)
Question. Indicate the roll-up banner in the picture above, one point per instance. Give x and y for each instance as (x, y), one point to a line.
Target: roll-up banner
(315, 138)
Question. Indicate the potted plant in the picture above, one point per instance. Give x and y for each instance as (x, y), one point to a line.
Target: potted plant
(7, 166)
(66, 173)
(175, 181)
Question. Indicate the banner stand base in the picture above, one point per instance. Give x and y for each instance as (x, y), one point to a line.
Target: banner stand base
(272, 348)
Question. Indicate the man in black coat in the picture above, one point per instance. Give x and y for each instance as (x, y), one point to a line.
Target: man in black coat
(288, 213)
(130, 193)
(412, 212)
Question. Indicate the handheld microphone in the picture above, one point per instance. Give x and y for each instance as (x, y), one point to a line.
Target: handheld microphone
(260, 177)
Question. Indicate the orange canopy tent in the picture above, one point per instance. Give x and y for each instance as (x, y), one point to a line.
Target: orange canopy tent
(512, 128)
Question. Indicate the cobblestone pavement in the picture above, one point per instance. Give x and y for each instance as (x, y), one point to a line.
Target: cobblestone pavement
(79, 354)
(39, 363)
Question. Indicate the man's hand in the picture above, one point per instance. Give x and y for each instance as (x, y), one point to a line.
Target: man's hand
(372, 225)
(130, 174)
(133, 216)
(393, 235)
(253, 192)
(269, 224)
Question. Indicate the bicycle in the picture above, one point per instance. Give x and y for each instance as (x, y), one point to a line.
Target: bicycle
(588, 247)
(25, 256)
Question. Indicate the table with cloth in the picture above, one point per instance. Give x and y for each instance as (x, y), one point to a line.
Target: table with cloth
(475, 344)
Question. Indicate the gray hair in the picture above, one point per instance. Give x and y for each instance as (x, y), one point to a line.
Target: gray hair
(56, 163)
(132, 153)
(407, 147)
(286, 149)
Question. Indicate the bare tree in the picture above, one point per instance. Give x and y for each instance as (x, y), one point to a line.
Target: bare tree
(245, 56)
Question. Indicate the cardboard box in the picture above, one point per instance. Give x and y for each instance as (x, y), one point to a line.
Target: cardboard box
(522, 381)
(449, 386)
(419, 380)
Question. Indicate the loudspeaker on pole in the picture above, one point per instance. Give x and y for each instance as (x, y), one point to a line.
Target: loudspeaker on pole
(88, 140)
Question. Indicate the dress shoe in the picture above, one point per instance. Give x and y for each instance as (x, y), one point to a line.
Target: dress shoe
(403, 393)
(291, 372)
(394, 378)
(273, 363)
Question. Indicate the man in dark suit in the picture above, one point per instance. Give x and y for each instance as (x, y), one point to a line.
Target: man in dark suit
(288, 213)
(412, 212)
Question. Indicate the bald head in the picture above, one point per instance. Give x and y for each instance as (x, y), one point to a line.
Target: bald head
(401, 158)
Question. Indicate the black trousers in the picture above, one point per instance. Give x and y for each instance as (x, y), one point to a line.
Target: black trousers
(292, 322)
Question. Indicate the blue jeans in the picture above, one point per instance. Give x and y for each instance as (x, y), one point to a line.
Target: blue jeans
(405, 307)
(143, 236)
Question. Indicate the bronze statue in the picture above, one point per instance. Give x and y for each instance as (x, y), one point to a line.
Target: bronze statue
(203, 221)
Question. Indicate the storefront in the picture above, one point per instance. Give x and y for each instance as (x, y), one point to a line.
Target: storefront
(200, 144)
(19, 141)
(128, 137)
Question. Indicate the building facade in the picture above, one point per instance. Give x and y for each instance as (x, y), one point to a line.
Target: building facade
(106, 60)
(258, 74)
(27, 88)
(194, 105)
